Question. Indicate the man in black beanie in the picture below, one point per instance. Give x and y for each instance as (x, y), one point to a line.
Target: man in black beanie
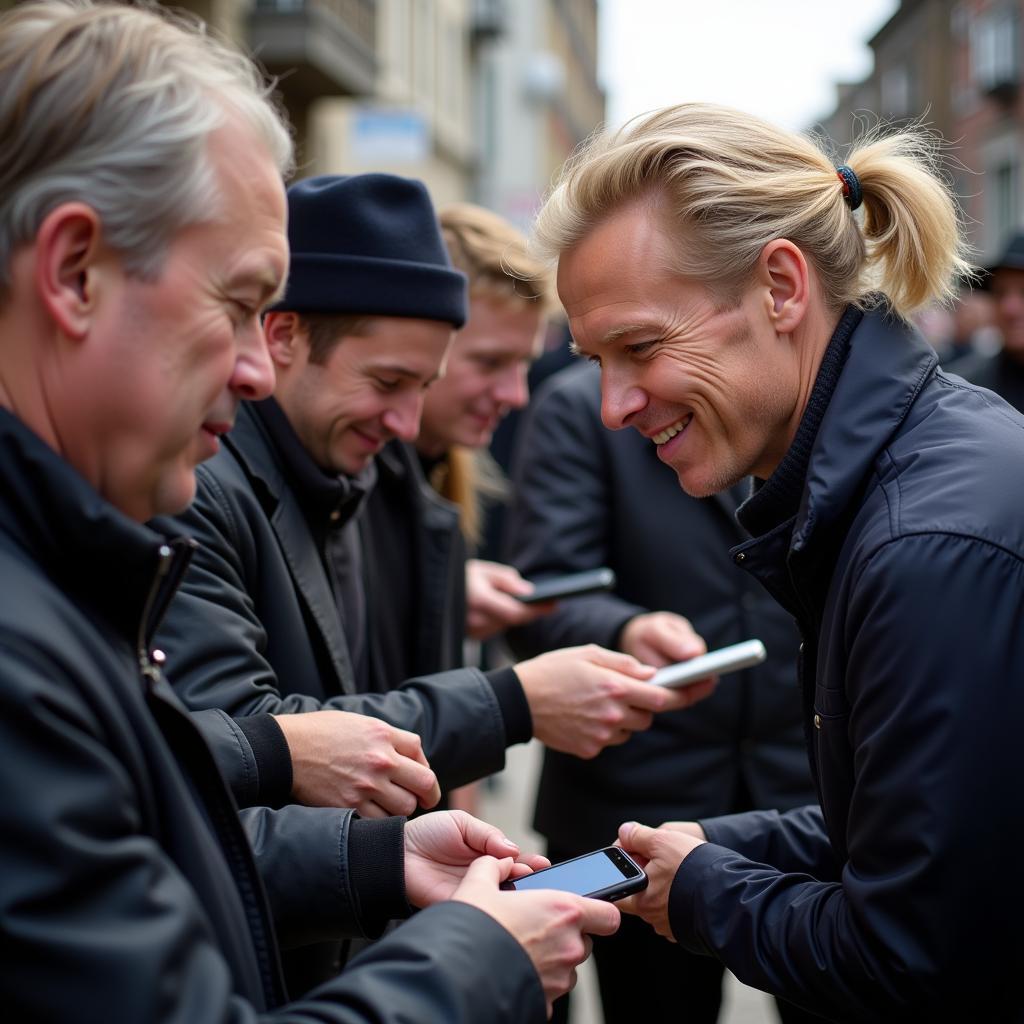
(270, 617)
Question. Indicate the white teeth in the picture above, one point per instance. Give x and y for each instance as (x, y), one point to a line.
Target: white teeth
(669, 432)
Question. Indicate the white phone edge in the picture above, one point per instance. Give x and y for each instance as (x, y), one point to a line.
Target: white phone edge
(714, 663)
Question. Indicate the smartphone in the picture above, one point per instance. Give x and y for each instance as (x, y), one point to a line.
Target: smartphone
(714, 663)
(589, 582)
(608, 874)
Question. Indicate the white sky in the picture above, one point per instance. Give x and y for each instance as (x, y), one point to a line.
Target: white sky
(779, 59)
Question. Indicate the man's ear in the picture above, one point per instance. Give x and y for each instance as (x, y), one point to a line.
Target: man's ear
(284, 336)
(68, 247)
(782, 268)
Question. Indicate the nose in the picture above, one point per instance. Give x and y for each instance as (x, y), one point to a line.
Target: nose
(620, 400)
(253, 377)
(402, 419)
(511, 389)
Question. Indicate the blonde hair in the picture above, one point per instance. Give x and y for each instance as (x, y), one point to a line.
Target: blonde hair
(472, 480)
(495, 257)
(112, 106)
(730, 183)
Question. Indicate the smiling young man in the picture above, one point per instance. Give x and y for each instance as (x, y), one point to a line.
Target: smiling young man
(747, 302)
(420, 622)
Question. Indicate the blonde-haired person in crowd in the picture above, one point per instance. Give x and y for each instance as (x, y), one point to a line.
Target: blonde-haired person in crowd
(512, 300)
(748, 303)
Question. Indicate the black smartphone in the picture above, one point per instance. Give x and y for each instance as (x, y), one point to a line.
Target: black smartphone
(576, 583)
(608, 874)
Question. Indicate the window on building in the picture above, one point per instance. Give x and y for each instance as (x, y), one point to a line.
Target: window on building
(1003, 202)
(896, 91)
(995, 51)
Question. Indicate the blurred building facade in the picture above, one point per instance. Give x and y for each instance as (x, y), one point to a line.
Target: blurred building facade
(481, 99)
(956, 65)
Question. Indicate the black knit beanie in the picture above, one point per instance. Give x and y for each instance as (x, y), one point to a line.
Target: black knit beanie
(369, 244)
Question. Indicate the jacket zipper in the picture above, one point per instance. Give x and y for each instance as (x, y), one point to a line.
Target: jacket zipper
(172, 560)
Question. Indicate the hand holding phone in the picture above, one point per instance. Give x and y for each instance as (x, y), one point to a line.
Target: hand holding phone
(608, 874)
(572, 585)
(714, 663)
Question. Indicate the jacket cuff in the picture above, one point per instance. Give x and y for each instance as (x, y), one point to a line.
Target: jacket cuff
(515, 709)
(693, 874)
(273, 758)
(376, 864)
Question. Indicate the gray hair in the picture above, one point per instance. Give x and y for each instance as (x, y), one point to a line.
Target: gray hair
(112, 106)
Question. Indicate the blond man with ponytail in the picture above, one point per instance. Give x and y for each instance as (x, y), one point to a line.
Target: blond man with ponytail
(748, 303)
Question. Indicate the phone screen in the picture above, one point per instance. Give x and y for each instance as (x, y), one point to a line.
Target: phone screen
(583, 875)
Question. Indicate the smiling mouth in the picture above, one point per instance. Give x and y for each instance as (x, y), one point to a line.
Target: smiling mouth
(369, 439)
(669, 432)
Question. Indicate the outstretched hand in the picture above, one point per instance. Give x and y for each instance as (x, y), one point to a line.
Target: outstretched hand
(491, 599)
(663, 638)
(660, 852)
(583, 699)
(553, 927)
(439, 848)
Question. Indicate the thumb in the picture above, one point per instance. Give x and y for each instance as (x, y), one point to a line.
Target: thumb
(637, 838)
(488, 871)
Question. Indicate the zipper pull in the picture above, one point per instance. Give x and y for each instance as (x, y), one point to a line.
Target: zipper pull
(149, 664)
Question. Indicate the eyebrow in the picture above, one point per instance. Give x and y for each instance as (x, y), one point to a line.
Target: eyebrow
(611, 336)
(621, 331)
(271, 286)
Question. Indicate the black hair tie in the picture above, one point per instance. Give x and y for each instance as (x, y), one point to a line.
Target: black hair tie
(852, 192)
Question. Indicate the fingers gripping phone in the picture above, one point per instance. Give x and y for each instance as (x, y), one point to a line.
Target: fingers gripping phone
(572, 585)
(608, 874)
(714, 663)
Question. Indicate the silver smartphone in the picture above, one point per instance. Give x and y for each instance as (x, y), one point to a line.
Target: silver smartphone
(714, 663)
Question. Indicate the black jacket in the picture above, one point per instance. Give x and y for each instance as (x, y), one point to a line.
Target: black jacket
(417, 597)
(128, 890)
(255, 628)
(585, 496)
(905, 570)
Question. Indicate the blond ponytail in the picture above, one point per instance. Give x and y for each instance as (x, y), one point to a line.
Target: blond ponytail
(915, 247)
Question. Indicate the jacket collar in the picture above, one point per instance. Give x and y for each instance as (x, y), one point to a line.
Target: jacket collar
(107, 561)
(251, 445)
(888, 364)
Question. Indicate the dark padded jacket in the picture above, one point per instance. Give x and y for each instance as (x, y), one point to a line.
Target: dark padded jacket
(904, 567)
(128, 890)
(255, 628)
(585, 496)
